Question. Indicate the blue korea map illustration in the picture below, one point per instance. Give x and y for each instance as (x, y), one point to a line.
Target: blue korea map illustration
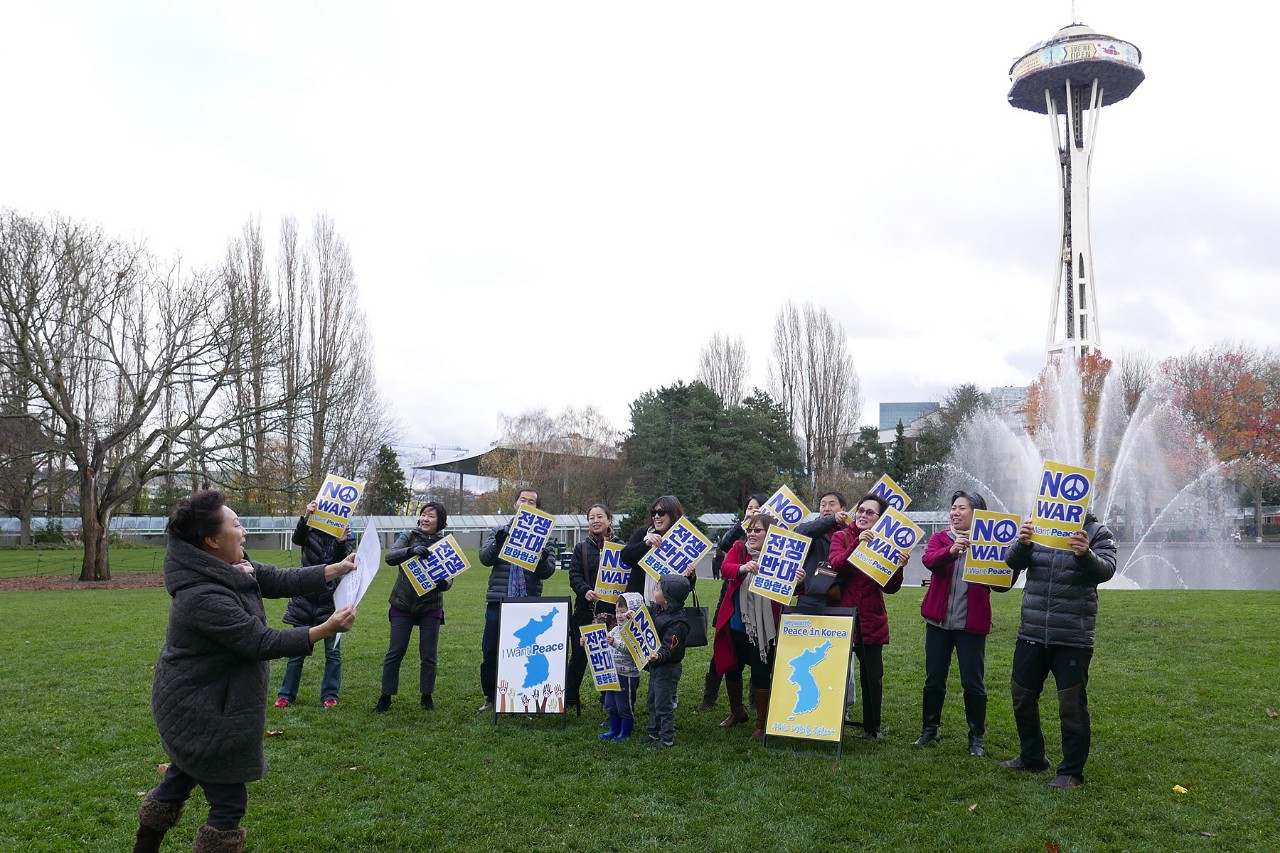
(536, 667)
(807, 694)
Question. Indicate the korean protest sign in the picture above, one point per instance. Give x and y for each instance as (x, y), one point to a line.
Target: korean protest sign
(640, 636)
(681, 546)
(781, 557)
(533, 634)
(527, 536)
(1059, 511)
(600, 657)
(611, 579)
(444, 561)
(787, 509)
(338, 498)
(895, 536)
(886, 488)
(808, 690)
(990, 536)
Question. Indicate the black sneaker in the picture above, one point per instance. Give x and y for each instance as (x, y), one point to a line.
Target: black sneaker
(427, 705)
(384, 704)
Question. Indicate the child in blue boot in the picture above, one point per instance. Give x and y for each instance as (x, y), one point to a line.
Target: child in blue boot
(620, 704)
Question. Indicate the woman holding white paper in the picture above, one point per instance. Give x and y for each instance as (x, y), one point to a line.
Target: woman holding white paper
(747, 625)
(858, 590)
(409, 609)
(957, 617)
(584, 566)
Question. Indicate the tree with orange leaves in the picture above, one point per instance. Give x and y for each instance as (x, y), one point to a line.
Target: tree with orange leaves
(1232, 393)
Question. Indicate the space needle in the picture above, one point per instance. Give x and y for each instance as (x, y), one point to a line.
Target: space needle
(1070, 78)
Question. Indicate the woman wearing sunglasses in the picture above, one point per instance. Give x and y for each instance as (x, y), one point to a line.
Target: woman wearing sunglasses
(664, 512)
(860, 591)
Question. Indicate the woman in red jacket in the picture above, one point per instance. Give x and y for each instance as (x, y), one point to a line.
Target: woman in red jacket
(747, 624)
(957, 616)
(860, 591)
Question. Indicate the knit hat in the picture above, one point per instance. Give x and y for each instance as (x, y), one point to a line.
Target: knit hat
(675, 589)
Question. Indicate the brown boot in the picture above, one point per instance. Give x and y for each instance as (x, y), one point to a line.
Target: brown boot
(154, 820)
(210, 840)
(737, 713)
(762, 712)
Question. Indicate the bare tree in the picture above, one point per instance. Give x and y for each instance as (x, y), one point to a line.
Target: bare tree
(104, 337)
(723, 365)
(1137, 373)
(813, 376)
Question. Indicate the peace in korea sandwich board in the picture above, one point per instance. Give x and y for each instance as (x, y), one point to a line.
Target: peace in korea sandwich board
(533, 636)
(807, 699)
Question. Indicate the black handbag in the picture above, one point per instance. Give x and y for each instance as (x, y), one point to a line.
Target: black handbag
(697, 619)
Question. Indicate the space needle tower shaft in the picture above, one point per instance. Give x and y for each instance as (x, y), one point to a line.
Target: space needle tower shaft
(1070, 78)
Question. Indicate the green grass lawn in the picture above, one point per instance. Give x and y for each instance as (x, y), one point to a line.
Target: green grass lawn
(1180, 685)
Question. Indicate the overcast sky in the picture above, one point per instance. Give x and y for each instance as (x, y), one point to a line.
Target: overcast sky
(558, 203)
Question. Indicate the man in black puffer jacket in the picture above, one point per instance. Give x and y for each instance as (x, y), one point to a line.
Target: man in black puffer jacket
(307, 611)
(1059, 611)
(506, 580)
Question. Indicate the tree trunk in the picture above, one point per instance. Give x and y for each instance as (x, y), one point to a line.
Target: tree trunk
(93, 531)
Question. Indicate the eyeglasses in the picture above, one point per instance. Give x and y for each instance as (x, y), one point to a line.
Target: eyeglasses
(861, 511)
(658, 512)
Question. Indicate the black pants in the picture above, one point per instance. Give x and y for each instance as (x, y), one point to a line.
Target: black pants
(749, 656)
(577, 659)
(971, 654)
(428, 642)
(1032, 663)
(227, 802)
(871, 679)
(489, 649)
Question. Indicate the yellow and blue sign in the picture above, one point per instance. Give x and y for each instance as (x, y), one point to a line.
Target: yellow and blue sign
(612, 577)
(528, 535)
(681, 546)
(444, 561)
(889, 550)
(781, 557)
(886, 488)
(785, 507)
(600, 657)
(336, 502)
(990, 536)
(1065, 492)
(640, 636)
(809, 676)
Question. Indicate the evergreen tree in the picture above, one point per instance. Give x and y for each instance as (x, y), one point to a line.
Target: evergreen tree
(386, 493)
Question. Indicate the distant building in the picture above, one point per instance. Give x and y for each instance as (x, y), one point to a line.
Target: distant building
(1009, 397)
(891, 413)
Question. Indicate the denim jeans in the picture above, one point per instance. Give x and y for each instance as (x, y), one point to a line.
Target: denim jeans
(622, 702)
(664, 681)
(329, 684)
(970, 652)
